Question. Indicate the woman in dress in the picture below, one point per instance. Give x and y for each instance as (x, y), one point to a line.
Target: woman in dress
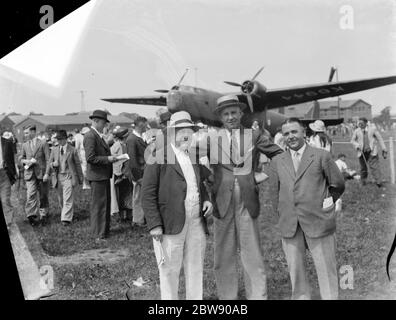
(122, 185)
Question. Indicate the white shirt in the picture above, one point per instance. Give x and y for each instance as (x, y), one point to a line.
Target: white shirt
(137, 134)
(341, 165)
(296, 155)
(189, 174)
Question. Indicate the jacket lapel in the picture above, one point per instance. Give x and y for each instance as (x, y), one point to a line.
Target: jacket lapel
(306, 160)
(104, 144)
(288, 164)
(36, 147)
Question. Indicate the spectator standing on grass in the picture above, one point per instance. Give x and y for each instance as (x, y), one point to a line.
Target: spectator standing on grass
(8, 176)
(121, 176)
(35, 158)
(175, 204)
(136, 147)
(307, 183)
(365, 140)
(99, 172)
(66, 175)
(236, 223)
(320, 139)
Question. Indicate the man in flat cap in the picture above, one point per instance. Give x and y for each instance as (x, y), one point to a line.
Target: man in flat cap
(35, 158)
(99, 172)
(66, 174)
(237, 200)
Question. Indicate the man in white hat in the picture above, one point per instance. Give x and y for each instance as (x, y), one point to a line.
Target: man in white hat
(175, 204)
(236, 193)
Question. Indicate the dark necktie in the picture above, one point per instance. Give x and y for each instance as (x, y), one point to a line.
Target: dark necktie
(234, 150)
(366, 144)
(62, 151)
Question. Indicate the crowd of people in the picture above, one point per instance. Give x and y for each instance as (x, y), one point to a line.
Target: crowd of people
(172, 183)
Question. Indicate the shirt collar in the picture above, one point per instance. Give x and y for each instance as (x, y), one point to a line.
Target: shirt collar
(100, 134)
(137, 134)
(300, 151)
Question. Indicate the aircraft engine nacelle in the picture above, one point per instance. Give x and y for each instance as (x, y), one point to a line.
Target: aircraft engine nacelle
(254, 88)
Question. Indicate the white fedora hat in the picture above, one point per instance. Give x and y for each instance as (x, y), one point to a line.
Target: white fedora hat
(318, 126)
(182, 119)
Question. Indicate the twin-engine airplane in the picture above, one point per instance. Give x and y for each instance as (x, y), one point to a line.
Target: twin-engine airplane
(200, 103)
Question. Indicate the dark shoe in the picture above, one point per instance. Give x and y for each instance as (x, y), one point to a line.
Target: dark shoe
(364, 182)
(33, 221)
(65, 223)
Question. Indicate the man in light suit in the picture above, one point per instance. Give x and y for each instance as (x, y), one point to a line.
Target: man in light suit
(35, 158)
(307, 183)
(66, 174)
(99, 172)
(233, 155)
(365, 140)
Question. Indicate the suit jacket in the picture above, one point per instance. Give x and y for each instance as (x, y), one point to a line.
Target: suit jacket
(135, 149)
(73, 165)
(41, 153)
(374, 137)
(97, 152)
(164, 190)
(8, 159)
(252, 144)
(299, 197)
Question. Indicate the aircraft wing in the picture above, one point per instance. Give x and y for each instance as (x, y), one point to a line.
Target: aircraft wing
(148, 100)
(275, 98)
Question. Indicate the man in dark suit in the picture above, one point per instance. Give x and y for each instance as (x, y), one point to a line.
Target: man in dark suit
(99, 172)
(234, 154)
(35, 158)
(136, 147)
(175, 203)
(7, 177)
(307, 183)
(66, 174)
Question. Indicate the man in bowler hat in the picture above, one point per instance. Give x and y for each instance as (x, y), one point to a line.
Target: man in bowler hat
(99, 172)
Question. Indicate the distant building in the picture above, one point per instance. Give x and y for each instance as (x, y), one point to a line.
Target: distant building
(68, 123)
(350, 110)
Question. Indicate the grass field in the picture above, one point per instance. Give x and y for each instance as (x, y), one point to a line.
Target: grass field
(365, 229)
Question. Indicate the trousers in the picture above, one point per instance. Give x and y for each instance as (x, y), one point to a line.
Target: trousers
(65, 195)
(36, 186)
(370, 161)
(185, 249)
(323, 252)
(238, 229)
(100, 208)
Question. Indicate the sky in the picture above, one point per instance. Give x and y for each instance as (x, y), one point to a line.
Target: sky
(126, 48)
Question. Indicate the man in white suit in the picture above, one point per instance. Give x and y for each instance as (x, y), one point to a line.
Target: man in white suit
(365, 140)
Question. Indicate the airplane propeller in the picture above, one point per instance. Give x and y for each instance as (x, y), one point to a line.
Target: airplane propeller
(176, 87)
(247, 87)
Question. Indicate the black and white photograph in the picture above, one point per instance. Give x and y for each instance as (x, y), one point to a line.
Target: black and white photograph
(200, 150)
